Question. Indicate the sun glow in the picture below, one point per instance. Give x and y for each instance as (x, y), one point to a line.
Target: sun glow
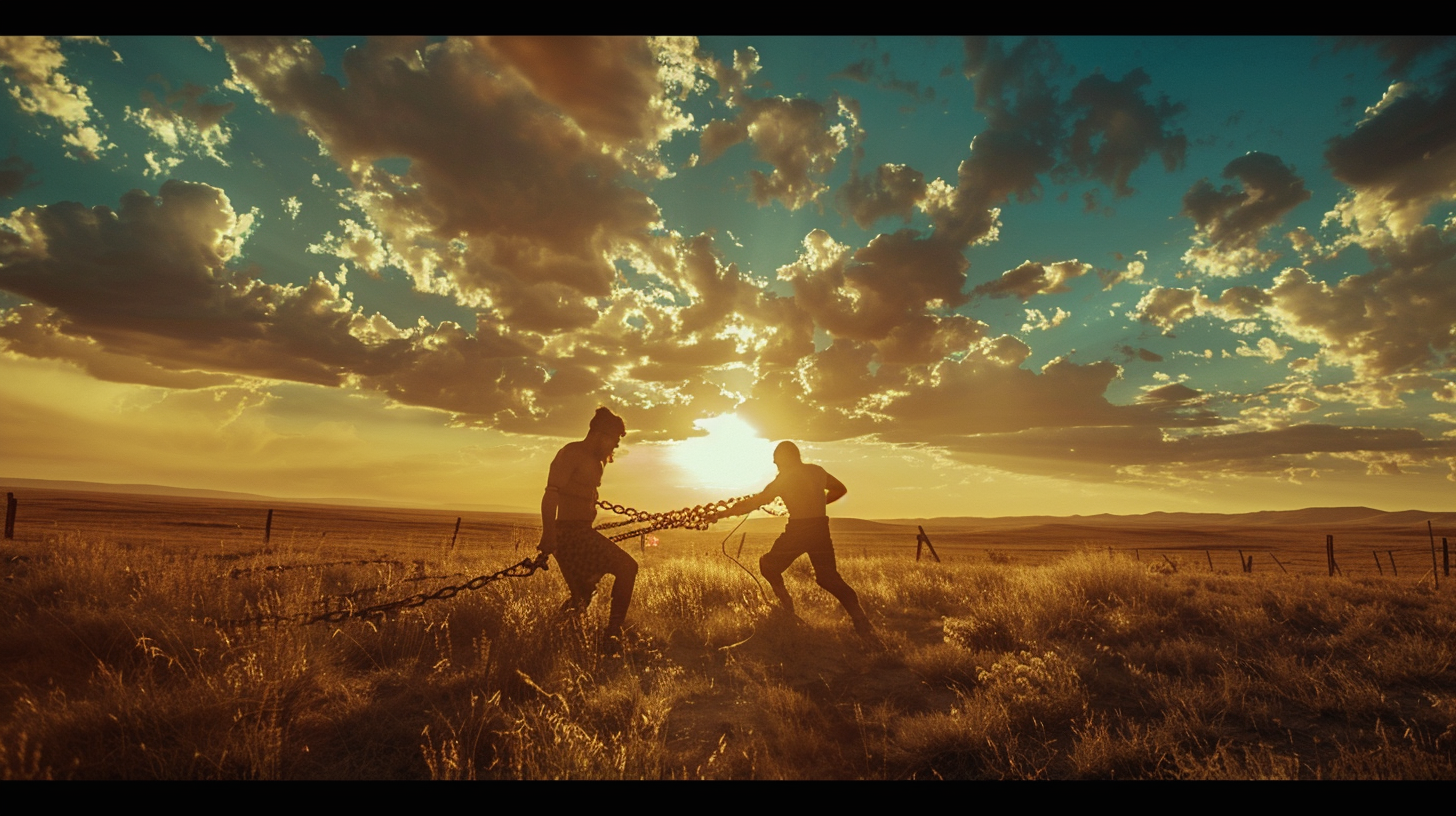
(732, 457)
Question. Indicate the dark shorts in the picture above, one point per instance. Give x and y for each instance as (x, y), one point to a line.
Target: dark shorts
(584, 556)
(803, 537)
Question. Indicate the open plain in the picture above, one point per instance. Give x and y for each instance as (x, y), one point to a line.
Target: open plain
(140, 638)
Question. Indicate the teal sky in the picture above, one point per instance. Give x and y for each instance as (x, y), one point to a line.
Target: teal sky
(972, 276)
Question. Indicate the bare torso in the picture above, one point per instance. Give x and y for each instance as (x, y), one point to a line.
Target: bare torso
(576, 473)
(803, 488)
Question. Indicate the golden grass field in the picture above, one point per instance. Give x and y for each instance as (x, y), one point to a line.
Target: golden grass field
(1071, 649)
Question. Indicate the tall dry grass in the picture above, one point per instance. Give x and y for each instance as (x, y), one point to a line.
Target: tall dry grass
(1091, 667)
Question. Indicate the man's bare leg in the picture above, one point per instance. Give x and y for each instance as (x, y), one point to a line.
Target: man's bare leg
(624, 578)
(773, 572)
(826, 575)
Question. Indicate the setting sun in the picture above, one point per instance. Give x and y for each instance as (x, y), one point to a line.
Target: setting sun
(732, 457)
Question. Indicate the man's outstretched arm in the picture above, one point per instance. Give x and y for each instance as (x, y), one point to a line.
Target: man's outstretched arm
(834, 489)
(750, 504)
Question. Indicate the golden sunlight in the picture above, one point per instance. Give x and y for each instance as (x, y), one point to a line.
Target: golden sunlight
(732, 457)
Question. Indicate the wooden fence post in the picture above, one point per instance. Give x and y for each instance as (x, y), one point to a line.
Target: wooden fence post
(1170, 563)
(1377, 562)
(924, 540)
(1210, 560)
(1244, 563)
(1330, 554)
(1393, 570)
(268, 528)
(10, 505)
(456, 534)
(1277, 561)
(1435, 573)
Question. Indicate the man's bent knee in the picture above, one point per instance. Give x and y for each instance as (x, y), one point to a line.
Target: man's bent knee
(832, 582)
(770, 567)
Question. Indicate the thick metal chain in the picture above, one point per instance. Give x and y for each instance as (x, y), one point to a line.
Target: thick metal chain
(699, 517)
(523, 569)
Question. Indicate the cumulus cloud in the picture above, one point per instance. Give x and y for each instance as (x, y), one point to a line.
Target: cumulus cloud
(1030, 279)
(1132, 273)
(1387, 321)
(1170, 394)
(41, 87)
(1104, 130)
(37, 331)
(1266, 348)
(1399, 162)
(891, 190)
(1037, 321)
(1166, 307)
(180, 119)
(1118, 130)
(509, 202)
(795, 136)
(867, 294)
(151, 293)
(1230, 223)
(359, 244)
(619, 89)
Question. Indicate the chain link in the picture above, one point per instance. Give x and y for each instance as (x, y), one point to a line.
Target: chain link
(523, 569)
(698, 517)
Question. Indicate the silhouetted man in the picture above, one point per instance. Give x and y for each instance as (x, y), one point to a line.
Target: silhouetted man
(567, 510)
(806, 489)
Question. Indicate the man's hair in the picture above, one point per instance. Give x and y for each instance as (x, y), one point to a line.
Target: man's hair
(790, 450)
(604, 421)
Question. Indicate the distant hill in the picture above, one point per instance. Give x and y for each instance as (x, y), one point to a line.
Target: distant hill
(11, 485)
(1309, 516)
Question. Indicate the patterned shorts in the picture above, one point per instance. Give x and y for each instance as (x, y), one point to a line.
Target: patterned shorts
(584, 556)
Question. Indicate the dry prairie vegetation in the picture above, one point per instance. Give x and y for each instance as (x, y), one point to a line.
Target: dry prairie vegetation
(1091, 666)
